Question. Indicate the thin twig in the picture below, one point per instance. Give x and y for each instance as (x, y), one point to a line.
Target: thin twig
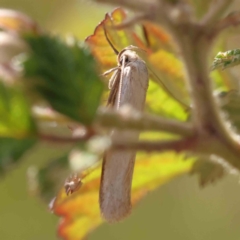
(131, 21)
(135, 120)
(137, 5)
(65, 140)
(158, 146)
(46, 114)
(216, 10)
(233, 19)
(154, 10)
(194, 46)
(205, 111)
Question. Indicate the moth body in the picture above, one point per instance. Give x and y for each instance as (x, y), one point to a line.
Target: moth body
(128, 86)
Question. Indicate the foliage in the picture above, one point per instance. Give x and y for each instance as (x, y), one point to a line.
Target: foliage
(11, 150)
(16, 119)
(48, 79)
(226, 59)
(54, 62)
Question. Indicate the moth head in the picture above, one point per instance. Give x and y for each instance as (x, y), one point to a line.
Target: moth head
(128, 54)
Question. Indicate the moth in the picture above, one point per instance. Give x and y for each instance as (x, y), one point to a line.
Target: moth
(128, 86)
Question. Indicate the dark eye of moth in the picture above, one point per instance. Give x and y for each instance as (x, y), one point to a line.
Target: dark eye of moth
(126, 60)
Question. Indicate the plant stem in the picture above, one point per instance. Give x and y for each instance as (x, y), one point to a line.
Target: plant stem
(194, 44)
(143, 122)
(206, 115)
(194, 52)
(232, 19)
(158, 146)
(216, 10)
(64, 139)
(154, 10)
(137, 5)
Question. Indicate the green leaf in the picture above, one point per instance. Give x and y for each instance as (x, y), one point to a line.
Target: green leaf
(50, 178)
(159, 102)
(80, 211)
(210, 168)
(11, 151)
(207, 170)
(66, 76)
(230, 103)
(15, 116)
(226, 59)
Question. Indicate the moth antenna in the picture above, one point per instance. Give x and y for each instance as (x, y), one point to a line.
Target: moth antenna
(186, 107)
(145, 34)
(110, 71)
(120, 82)
(113, 48)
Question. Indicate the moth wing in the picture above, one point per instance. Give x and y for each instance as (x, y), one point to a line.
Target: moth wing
(134, 85)
(118, 166)
(113, 86)
(113, 79)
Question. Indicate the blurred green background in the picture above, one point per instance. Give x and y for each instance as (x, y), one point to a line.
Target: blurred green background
(179, 210)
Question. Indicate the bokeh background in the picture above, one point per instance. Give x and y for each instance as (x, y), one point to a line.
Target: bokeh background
(178, 210)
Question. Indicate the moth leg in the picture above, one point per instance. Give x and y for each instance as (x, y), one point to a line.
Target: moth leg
(113, 86)
(113, 79)
(109, 71)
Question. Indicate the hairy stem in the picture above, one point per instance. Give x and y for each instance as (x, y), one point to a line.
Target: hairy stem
(194, 44)
(232, 19)
(216, 10)
(154, 10)
(194, 52)
(137, 5)
(65, 139)
(206, 113)
(158, 146)
(143, 122)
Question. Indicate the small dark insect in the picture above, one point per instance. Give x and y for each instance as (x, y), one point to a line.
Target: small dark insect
(72, 184)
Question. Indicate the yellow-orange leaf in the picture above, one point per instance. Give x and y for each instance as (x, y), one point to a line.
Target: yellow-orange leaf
(168, 72)
(169, 64)
(120, 39)
(156, 37)
(159, 102)
(80, 211)
(164, 67)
